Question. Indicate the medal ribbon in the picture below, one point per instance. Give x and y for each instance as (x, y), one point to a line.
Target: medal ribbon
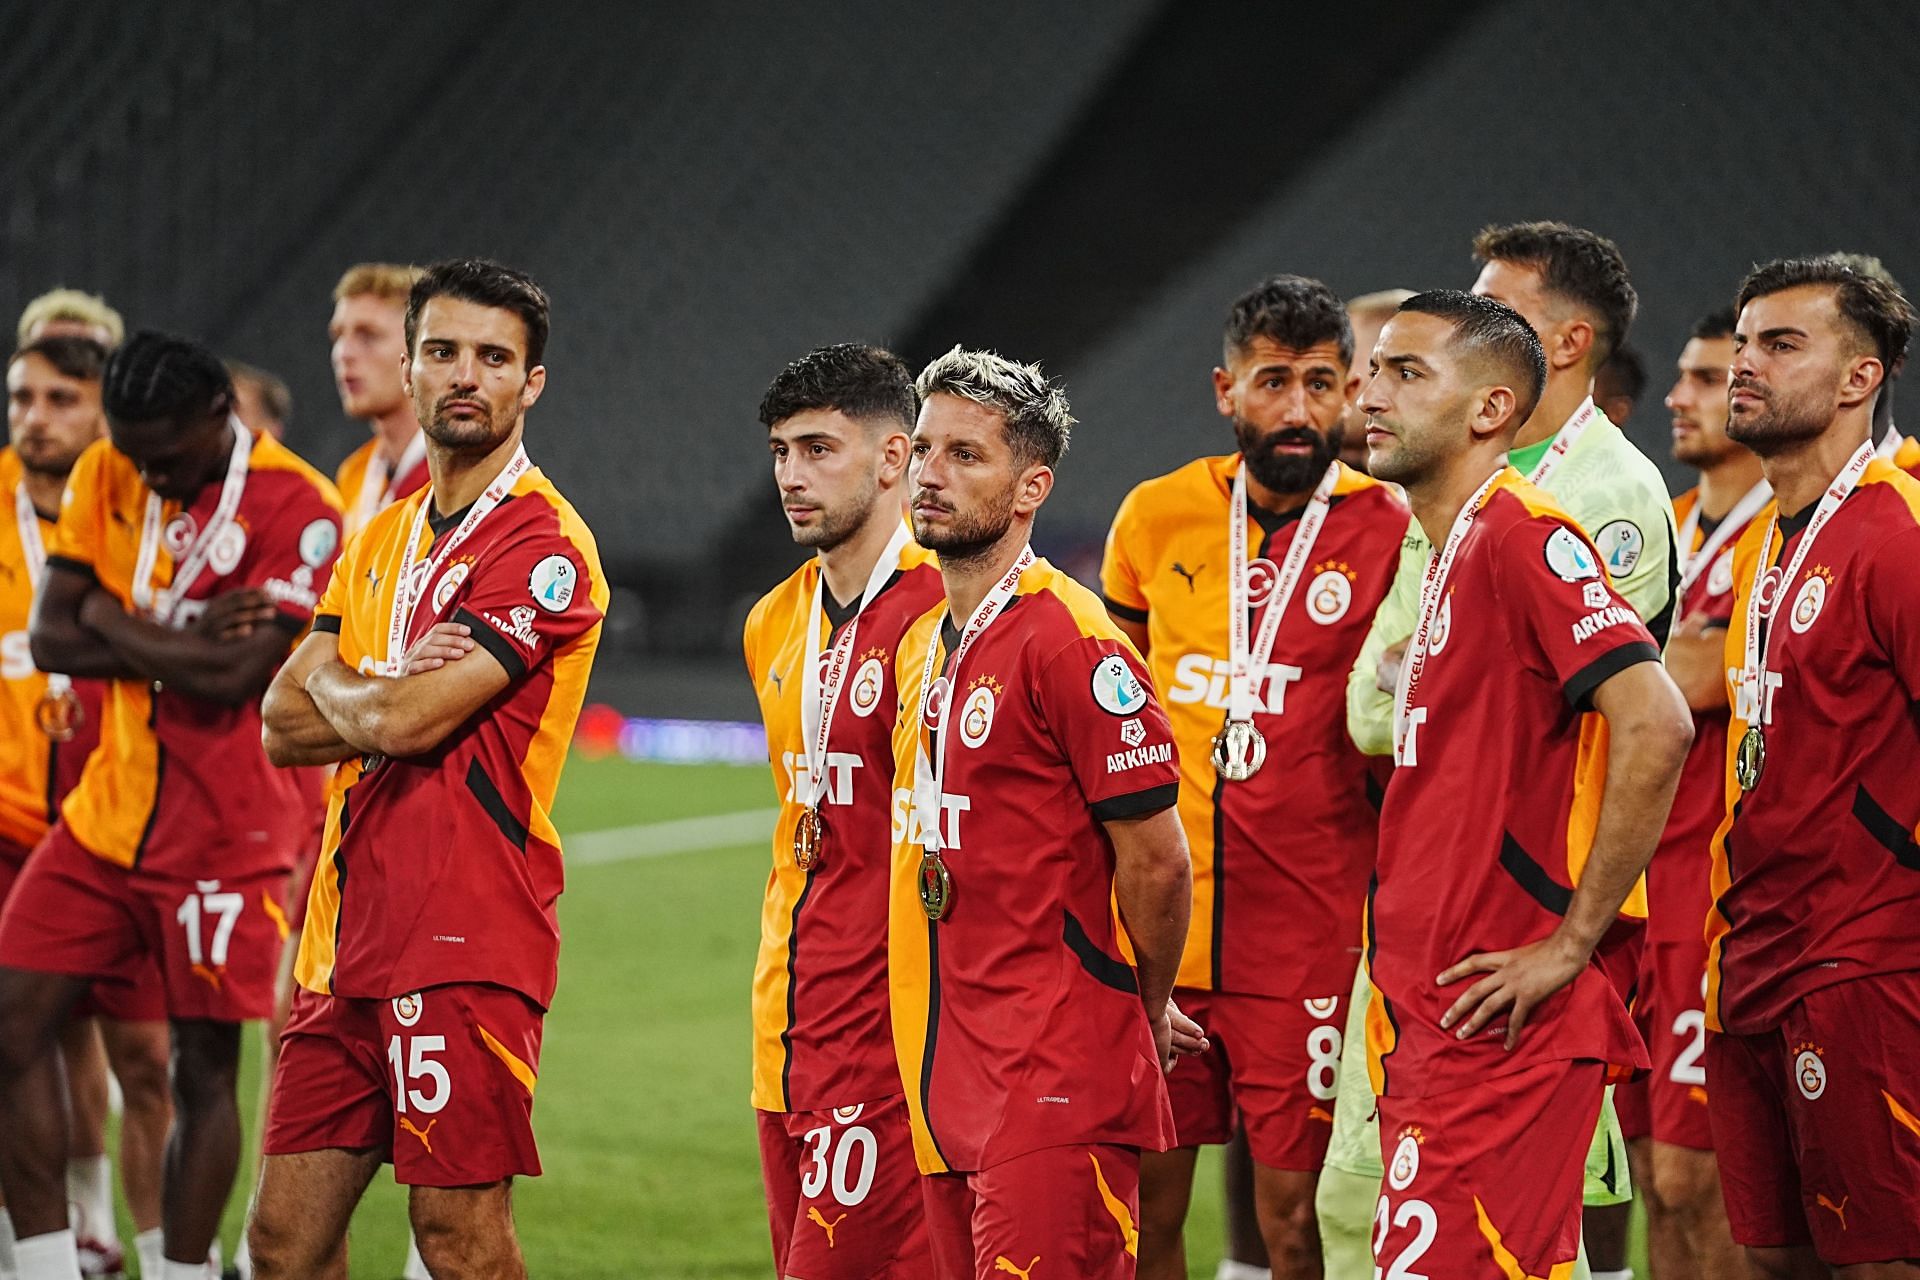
(411, 587)
(1563, 443)
(820, 692)
(1695, 563)
(1432, 590)
(1889, 444)
(1753, 671)
(189, 566)
(36, 553)
(1243, 661)
(984, 613)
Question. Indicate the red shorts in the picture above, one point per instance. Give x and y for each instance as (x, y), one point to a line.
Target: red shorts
(216, 942)
(1075, 1209)
(1670, 1105)
(1486, 1181)
(1276, 1059)
(463, 1114)
(844, 1197)
(1817, 1124)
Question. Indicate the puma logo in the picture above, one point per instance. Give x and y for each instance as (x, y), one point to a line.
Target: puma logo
(1320, 1113)
(1187, 573)
(211, 975)
(1839, 1210)
(420, 1133)
(814, 1215)
(779, 682)
(1000, 1263)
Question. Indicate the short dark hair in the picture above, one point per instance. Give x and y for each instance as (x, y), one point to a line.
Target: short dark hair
(487, 284)
(1877, 310)
(1495, 333)
(154, 375)
(1575, 264)
(74, 356)
(275, 396)
(1032, 409)
(868, 384)
(1294, 311)
(1627, 372)
(1717, 323)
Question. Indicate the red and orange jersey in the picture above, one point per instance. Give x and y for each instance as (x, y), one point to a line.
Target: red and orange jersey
(820, 1032)
(1906, 456)
(1677, 896)
(180, 786)
(1017, 1021)
(1489, 819)
(1281, 860)
(445, 867)
(1816, 871)
(367, 488)
(36, 772)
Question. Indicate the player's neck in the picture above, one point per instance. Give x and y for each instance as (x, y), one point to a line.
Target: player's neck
(1437, 499)
(1728, 480)
(394, 431)
(848, 565)
(1565, 391)
(460, 477)
(1800, 472)
(44, 489)
(969, 579)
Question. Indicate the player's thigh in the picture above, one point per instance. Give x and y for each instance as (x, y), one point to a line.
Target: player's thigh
(331, 1085)
(1488, 1178)
(1759, 1173)
(1074, 1207)
(1166, 1190)
(1683, 1179)
(1284, 1056)
(1854, 1114)
(854, 1199)
(220, 943)
(463, 1062)
(304, 1201)
(68, 916)
(1676, 1036)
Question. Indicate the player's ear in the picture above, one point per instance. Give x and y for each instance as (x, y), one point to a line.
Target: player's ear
(1035, 484)
(536, 383)
(1568, 343)
(1222, 391)
(895, 452)
(1864, 375)
(1495, 415)
(406, 373)
(1353, 386)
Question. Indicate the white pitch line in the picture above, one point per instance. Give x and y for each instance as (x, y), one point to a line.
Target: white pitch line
(658, 839)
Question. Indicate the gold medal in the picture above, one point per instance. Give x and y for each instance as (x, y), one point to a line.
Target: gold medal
(936, 886)
(1239, 750)
(1750, 759)
(809, 839)
(58, 714)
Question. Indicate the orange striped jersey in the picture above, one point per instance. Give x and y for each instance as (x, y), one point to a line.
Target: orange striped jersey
(1017, 1022)
(368, 487)
(445, 867)
(820, 1032)
(1816, 871)
(1280, 860)
(1490, 815)
(35, 771)
(1906, 456)
(180, 786)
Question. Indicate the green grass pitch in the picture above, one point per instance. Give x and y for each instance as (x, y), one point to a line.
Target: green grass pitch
(652, 1168)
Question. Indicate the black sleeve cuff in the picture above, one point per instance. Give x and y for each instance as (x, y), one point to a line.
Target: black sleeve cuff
(1124, 611)
(71, 565)
(1137, 804)
(1579, 690)
(494, 643)
(291, 623)
(328, 622)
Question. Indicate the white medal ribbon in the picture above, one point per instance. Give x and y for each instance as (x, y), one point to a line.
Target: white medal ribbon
(984, 613)
(1433, 589)
(188, 566)
(1889, 445)
(1563, 443)
(1753, 671)
(36, 553)
(1695, 563)
(374, 498)
(1244, 660)
(411, 588)
(820, 691)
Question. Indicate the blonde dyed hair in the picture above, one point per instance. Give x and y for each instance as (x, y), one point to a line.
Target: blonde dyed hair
(72, 305)
(389, 280)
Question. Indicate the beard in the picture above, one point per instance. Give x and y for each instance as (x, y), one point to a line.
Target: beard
(1404, 461)
(1781, 421)
(1702, 450)
(44, 457)
(838, 523)
(479, 434)
(1283, 472)
(965, 537)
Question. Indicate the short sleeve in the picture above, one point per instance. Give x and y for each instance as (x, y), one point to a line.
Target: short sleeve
(1119, 576)
(292, 557)
(529, 598)
(77, 538)
(1369, 708)
(1096, 700)
(1893, 606)
(339, 581)
(1551, 587)
(1631, 523)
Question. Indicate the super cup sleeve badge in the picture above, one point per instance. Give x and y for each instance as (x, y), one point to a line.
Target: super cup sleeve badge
(552, 583)
(1116, 690)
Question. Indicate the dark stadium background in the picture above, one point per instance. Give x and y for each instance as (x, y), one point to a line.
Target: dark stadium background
(710, 189)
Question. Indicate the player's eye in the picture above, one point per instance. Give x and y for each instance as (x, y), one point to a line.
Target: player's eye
(819, 450)
(919, 449)
(1321, 384)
